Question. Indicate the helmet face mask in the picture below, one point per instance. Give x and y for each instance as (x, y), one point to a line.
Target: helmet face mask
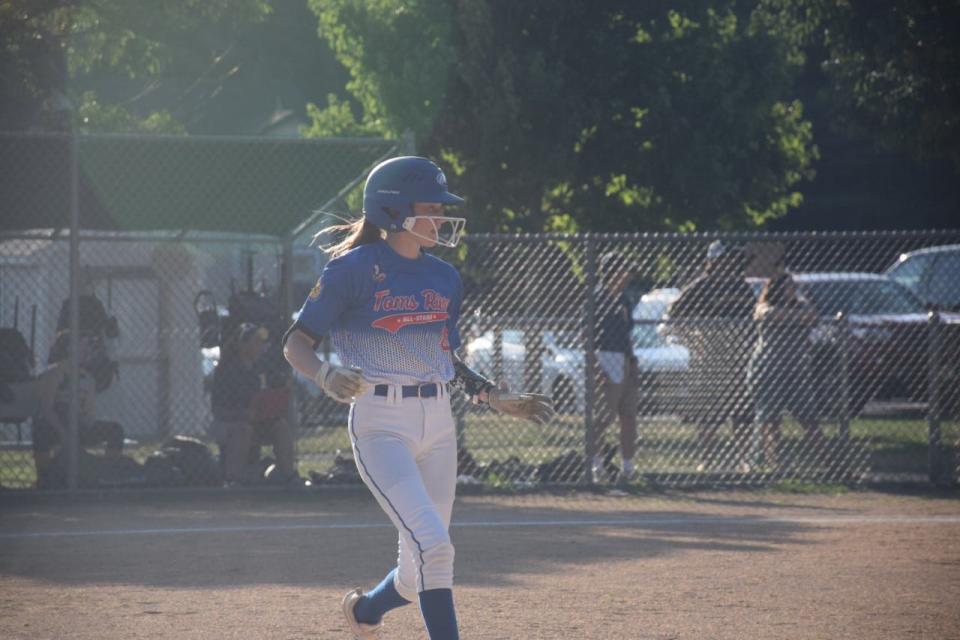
(446, 230)
(395, 185)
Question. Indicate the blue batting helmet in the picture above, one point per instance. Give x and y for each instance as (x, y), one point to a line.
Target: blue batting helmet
(395, 184)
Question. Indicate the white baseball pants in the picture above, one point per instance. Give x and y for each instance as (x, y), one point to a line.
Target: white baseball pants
(406, 452)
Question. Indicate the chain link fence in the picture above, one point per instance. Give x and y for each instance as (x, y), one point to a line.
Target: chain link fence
(702, 359)
(184, 242)
(752, 358)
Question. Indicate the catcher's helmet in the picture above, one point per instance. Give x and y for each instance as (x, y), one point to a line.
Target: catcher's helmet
(396, 184)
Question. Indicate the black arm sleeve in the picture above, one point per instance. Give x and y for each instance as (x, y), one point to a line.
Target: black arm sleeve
(467, 380)
(296, 326)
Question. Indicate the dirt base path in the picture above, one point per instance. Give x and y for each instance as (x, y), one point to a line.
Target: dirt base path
(272, 565)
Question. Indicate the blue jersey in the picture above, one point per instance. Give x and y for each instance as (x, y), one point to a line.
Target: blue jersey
(393, 317)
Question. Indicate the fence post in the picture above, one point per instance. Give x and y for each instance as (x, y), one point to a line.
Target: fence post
(73, 421)
(498, 373)
(843, 334)
(287, 306)
(934, 434)
(589, 336)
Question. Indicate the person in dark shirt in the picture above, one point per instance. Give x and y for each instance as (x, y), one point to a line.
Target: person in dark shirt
(713, 318)
(237, 422)
(780, 371)
(615, 365)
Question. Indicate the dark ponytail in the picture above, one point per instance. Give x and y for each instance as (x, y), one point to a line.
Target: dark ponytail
(774, 292)
(359, 232)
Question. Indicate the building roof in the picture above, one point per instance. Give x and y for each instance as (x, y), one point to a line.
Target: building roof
(203, 183)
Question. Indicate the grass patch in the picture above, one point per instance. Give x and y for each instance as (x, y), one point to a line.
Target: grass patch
(666, 446)
(17, 470)
(808, 488)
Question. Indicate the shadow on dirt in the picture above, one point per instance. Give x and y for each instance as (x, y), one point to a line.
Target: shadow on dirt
(232, 540)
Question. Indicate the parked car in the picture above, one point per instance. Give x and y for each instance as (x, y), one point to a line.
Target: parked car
(662, 361)
(559, 365)
(887, 350)
(933, 274)
(561, 361)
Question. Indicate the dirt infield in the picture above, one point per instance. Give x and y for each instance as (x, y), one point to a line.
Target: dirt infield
(272, 565)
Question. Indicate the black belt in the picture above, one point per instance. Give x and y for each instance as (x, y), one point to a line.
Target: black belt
(426, 390)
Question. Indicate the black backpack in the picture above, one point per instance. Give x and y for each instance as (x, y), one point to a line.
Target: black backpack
(182, 461)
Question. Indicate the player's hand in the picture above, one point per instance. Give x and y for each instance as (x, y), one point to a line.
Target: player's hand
(343, 384)
(529, 406)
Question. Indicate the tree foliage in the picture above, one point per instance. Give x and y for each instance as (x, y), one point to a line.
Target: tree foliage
(892, 66)
(603, 115)
(95, 116)
(48, 43)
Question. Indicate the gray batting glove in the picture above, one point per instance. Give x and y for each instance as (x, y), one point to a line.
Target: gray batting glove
(528, 406)
(343, 384)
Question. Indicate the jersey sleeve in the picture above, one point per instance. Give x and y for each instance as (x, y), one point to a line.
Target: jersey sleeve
(453, 333)
(327, 301)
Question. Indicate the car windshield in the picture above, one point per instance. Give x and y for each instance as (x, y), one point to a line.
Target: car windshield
(861, 297)
(563, 339)
(645, 335)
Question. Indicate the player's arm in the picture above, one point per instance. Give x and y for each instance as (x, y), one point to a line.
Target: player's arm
(475, 385)
(343, 384)
(299, 350)
(529, 406)
(325, 304)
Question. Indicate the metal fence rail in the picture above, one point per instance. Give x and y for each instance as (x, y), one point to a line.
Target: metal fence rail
(750, 358)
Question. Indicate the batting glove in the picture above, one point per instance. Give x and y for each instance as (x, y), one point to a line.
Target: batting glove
(343, 384)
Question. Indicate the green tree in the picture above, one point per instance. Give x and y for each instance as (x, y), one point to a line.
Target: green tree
(601, 115)
(47, 44)
(95, 116)
(892, 66)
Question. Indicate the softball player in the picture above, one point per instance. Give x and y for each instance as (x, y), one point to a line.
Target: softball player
(391, 311)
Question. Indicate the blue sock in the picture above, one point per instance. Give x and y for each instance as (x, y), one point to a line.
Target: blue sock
(436, 606)
(371, 607)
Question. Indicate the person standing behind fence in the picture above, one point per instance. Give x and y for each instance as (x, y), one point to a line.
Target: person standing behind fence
(616, 370)
(713, 318)
(391, 310)
(236, 425)
(779, 370)
(50, 425)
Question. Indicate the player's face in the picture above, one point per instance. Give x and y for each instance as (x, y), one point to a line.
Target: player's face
(425, 230)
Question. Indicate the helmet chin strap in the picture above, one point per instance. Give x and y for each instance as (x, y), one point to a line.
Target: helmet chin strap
(457, 225)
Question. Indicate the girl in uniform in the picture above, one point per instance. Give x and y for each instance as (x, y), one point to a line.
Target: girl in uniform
(391, 310)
